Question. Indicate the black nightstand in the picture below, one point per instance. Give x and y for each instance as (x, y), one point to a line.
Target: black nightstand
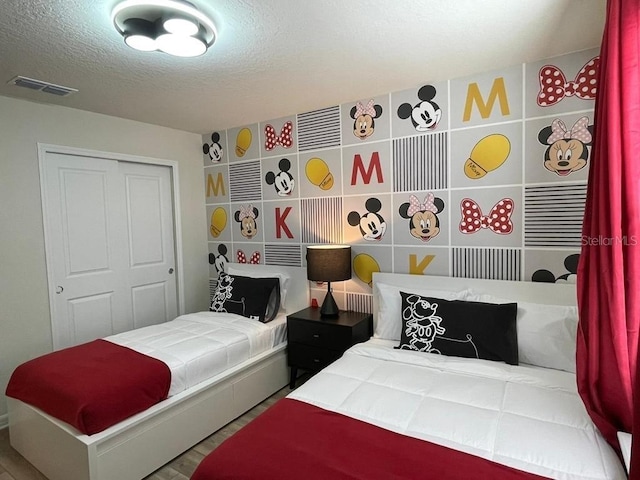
(314, 342)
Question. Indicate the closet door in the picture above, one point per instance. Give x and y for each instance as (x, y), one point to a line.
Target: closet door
(150, 278)
(110, 252)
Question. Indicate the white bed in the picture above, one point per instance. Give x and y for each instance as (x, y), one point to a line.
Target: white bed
(528, 417)
(196, 408)
(525, 418)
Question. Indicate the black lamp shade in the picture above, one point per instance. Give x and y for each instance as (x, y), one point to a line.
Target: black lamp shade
(328, 263)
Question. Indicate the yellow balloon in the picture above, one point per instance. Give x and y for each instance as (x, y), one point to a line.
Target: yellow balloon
(487, 155)
(364, 265)
(243, 142)
(218, 221)
(318, 173)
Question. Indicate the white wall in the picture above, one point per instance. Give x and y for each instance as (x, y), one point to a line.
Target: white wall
(25, 327)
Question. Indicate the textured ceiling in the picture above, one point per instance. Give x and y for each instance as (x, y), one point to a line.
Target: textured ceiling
(280, 57)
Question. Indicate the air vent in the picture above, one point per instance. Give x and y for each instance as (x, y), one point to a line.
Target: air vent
(46, 87)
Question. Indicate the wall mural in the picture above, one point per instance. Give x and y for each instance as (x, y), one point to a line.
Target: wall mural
(483, 177)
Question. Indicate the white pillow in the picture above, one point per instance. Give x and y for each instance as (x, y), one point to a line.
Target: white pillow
(546, 333)
(285, 280)
(388, 323)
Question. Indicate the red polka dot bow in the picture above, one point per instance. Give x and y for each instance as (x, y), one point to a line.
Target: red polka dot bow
(498, 220)
(242, 258)
(272, 140)
(554, 85)
(579, 131)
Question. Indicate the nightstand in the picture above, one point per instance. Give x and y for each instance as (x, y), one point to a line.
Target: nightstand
(315, 342)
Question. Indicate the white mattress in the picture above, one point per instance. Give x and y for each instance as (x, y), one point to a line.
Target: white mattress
(201, 345)
(530, 418)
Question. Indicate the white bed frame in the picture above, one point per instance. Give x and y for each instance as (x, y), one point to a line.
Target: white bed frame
(143, 443)
(534, 292)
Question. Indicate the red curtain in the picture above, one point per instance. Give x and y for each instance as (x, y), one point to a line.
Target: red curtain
(609, 269)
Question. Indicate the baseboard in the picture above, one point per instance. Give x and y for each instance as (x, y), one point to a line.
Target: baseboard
(4, 421)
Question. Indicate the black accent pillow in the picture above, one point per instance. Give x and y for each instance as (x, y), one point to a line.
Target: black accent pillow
(257, 298)
(458, 328)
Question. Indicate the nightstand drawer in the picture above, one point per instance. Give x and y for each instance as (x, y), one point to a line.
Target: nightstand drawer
(310, 358)
(319, 335)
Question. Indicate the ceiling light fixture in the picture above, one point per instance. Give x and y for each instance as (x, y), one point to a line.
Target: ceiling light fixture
(175, 27)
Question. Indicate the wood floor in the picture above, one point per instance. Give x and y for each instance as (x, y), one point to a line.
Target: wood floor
(14, 467)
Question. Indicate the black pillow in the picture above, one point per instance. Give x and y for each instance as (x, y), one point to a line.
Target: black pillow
(257, 298)
(458, 328)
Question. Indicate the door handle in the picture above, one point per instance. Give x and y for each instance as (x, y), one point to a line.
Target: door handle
(170, 271)
(59, 289)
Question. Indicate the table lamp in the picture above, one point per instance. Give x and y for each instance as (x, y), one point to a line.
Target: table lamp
(328, 263)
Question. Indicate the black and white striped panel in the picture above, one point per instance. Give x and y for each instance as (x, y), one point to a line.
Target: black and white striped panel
(360, 302)
(319, 129)
(553, 215)
(420, 163)
(279, 254)
(487, 263)
(245, 182)
(321, 220)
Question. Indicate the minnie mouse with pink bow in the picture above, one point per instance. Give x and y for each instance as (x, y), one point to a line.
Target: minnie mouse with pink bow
(424, 223)
(246, 217)
(567, 150)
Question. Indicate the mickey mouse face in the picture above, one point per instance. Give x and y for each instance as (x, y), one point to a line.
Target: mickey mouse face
(372, 225)
(214, 150)
(283, 181)
(219, 261)
(424, 115)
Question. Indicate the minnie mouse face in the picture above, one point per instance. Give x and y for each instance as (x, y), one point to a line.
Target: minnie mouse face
(424, 223)
(247, 219)
(424, 115)
(565, 157)
(372, 225)
(363, 116)
(567, 151)
(283, 180)
(214, 150)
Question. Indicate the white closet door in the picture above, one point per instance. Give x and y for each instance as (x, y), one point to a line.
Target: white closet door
(107, 270)
(150, 264)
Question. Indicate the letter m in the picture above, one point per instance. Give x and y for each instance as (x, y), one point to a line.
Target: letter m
(215, 187)
(358, 166)
(498, 91)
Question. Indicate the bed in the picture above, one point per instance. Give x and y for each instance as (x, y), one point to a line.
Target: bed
(482, 408)
(250, 366)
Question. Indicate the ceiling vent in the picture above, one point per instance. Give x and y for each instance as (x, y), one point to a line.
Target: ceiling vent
(46, 87)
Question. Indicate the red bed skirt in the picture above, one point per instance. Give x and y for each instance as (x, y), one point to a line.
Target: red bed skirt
(294, 440)
(91, 386)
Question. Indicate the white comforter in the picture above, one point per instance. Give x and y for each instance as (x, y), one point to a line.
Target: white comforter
(526, 417)
(198, 346)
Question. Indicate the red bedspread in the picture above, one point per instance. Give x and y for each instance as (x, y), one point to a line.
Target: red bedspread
(91, 386)
(294, 440)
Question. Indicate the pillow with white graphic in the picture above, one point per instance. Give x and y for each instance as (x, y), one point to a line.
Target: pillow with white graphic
(256, 298)
(459, 328)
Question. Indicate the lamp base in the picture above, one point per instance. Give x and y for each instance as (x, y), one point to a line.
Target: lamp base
(329, 307)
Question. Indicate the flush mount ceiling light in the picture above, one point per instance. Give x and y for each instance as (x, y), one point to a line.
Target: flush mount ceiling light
(171, 26)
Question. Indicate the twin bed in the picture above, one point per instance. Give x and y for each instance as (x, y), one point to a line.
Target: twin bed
(499, 401)
(220, 365)
(382, 412)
